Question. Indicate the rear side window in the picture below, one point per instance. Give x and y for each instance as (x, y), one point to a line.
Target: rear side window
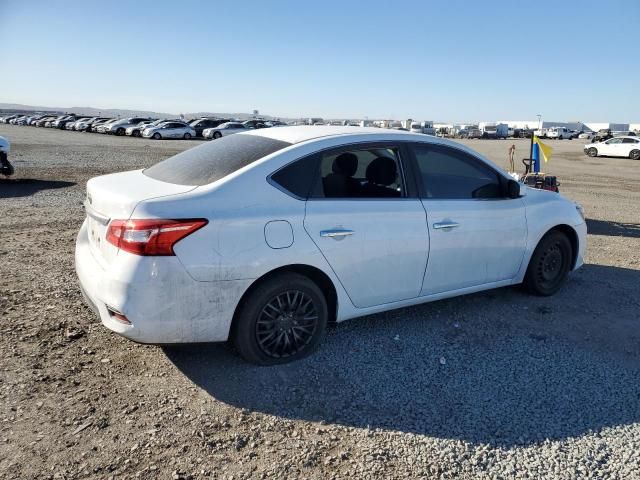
(214, 160)
(449, 173)
(297, 178)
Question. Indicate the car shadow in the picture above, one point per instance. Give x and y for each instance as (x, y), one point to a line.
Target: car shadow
(500, 367)
(615, 229)
(25, 187)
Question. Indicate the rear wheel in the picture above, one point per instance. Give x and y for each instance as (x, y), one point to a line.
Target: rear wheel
(634, 155)
(157, 136)
(549, 264)
(282, 320)
(187, 136)
(592, 152)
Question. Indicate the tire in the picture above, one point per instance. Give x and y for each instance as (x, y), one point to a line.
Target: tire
(120, 132)
(549, 264)
(157, 136)
(634, 155)
(187, 136)
(282, 320)
(216, 135)
(135, 133)
(592, 152)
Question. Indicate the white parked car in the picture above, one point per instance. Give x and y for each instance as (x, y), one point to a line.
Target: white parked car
(224, 130)
(587, 135)
(559, 133)
(102, 127)
(169, 130)
(628, 147)
(256, 237)
(120, 127)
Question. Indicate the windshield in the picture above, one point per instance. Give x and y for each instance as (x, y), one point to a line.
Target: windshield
(215, 160)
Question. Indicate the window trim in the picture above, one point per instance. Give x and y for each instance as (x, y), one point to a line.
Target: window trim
(410, 191)
(502, 180)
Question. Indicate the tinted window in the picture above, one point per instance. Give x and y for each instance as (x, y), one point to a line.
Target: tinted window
(359, 173)
(298, 176)
(613, 141)
(629, 140)
(215, 160)
(446, 172)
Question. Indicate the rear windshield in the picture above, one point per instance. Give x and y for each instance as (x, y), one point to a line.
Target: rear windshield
(214, 160)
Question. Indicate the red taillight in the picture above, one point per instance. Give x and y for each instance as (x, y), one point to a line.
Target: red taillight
(151, 237)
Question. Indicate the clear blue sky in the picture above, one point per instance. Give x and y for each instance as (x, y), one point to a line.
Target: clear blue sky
(442, 60)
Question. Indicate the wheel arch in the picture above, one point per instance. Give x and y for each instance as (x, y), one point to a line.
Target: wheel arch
(571, 234)
(314, 274)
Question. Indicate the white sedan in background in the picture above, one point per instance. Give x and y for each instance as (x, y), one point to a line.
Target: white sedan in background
(266, 236)
(628, 147)
(223, 130)
(169, 130)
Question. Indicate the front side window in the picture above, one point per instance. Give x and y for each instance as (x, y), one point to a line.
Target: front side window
(366, 172)
(613, 141)
(449, 173)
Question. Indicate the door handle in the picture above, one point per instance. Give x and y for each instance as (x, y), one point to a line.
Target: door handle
(337, 232)
(440, 225)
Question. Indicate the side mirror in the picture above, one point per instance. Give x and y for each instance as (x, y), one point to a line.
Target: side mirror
(513, 189)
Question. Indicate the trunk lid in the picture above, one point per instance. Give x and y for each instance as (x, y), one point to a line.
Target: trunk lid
(114, 197)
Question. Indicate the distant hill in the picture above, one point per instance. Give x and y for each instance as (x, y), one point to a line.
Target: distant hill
(117, 112)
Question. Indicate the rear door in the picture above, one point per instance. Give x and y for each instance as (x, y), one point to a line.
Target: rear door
(369, 227)
(477, 234)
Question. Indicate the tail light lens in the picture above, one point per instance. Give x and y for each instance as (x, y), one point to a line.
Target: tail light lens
(151, 237)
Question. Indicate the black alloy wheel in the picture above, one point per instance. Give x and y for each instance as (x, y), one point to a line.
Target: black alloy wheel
(282, 319)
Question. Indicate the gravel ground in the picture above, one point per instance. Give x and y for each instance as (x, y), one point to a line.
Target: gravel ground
(492, 385)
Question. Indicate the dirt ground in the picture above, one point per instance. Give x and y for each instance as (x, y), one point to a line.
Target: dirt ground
(492, 385)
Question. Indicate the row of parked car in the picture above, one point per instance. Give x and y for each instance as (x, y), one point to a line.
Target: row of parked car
(157, 129)
(562, 133)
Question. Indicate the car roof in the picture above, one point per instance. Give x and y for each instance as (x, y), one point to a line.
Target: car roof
(302, 133)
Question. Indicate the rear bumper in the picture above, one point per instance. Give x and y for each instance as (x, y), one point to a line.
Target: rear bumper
(162, 302)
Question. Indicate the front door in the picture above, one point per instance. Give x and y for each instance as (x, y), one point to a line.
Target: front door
(372, 234)
(477, 234)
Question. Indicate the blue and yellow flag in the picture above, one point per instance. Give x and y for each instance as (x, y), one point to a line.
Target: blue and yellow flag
(546, 150)
(540, 148)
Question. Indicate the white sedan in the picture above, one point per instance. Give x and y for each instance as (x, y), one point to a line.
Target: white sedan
(628, 147)
(169, 130)
(266, 236)
(224, 130)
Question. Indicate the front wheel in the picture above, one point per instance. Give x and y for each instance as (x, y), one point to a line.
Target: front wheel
(592, 152)
(634, 155)
(187, 136)
(282, 320)
(157, 136)
(135, 133)
(549, 264)
(216, 135)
